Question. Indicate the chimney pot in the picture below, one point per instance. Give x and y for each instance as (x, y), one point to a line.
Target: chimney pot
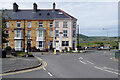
(34, 7)
(54, 6)
(15, 7)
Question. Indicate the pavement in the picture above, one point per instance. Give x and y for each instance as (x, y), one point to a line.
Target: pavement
(18, 64)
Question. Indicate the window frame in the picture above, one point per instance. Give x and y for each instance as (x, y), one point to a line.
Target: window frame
(29, 34)
(51, 24)
(51, 33)
(7, 24)
(29, 24)
(65, 24)
(56, 24)
(19, 23)
(56, 33)
(65, 33)
(40, 24)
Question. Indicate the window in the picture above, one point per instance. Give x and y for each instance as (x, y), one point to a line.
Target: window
(74, 31)
(40, 24)
(18, 33)
(18, 44)
(65, 24)
(51, 24)
(51, 33)
(57, 33)
(7, 24)
(29, 34)
(40, 33)
(65, 43)
(57, 24)
(7, 33)
(18, 24)
(40, 43)
(29, 24)
(65, 33)
(74, 24)
(6, 44)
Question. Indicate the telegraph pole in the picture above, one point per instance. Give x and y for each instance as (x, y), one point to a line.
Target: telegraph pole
(78, 37)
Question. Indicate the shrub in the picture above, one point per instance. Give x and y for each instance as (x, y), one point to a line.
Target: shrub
(8, 48)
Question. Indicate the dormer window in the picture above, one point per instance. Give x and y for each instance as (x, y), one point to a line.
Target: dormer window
(48, 13)
(60, 13)
(40, 14)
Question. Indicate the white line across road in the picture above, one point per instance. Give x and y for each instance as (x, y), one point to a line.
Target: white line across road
(50, 74)
(103, 69)
(83, 62)
(44, 68)
(89, 62)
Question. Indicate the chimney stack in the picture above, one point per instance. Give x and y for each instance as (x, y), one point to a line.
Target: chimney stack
(54, 6)
(34, 7)
(15, 7)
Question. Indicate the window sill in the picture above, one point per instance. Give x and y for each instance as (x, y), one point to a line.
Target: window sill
(65, 37)
(65, 27)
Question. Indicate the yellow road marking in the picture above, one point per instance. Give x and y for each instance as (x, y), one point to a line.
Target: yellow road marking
(44, 64)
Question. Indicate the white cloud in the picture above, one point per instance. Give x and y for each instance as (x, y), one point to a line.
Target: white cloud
(92, 16)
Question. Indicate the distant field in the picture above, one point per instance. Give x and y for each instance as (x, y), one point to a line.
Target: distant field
(98, 41)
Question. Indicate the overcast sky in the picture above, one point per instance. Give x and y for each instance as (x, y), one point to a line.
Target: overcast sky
(92, 16)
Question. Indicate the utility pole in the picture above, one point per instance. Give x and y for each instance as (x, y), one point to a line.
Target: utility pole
(78, 37)
(54, 28)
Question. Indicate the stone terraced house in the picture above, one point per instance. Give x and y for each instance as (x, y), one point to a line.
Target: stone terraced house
(42, 28)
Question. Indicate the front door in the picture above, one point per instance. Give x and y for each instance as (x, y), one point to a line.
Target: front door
(73, 45)
(51, 45)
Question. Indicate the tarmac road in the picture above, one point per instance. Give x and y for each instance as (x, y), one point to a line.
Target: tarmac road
(92, 64)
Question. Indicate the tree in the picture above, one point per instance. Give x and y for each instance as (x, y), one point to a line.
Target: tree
(4, 36)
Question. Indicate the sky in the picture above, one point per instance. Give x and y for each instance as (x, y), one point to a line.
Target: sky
(92, 15)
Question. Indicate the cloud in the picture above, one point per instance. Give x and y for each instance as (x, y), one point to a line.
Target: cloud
(92, 16)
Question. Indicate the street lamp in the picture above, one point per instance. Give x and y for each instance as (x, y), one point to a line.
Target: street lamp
(107, 34)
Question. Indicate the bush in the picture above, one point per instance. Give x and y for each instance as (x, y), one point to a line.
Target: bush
(8, 48)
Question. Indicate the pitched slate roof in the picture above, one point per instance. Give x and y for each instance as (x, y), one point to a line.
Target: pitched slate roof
(41, 14)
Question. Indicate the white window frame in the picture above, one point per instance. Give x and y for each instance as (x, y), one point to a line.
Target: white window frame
(56, 33)
(18, 23)
(29, 24)
(65, 24)
(74, 33)
(18, 44)
(65, 33)
(56, 24)
(51, 33)
(18, 35)
(7, 24)
(51, 24)
(29, 34)
(40, 33)
(74, 24)
(40, 25)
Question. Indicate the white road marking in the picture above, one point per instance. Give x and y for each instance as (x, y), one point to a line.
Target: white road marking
(106, 70)
(83, 62)
(98, 67)
(89, 62)
(50, 74)
(44, 68)
(80, 58)
(111, 69)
